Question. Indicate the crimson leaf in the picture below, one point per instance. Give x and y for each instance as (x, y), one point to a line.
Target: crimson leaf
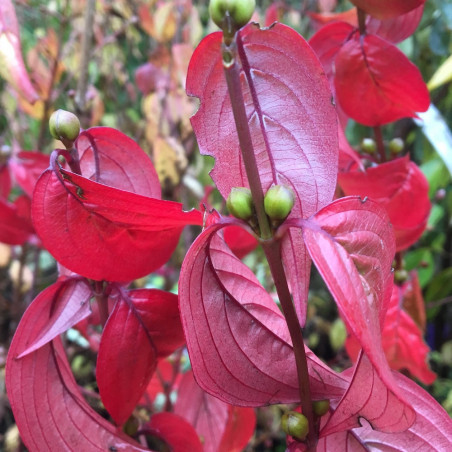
(237, 338)
(104, 233)
(384, 9)
(144, 325)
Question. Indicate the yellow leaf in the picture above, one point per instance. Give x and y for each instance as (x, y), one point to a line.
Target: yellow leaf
(442, 75)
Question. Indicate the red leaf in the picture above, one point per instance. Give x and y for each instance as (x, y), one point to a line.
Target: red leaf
(385, 9)
(27, 167)
(117, 235)
(111, 158)
(431, 431)
(237, 338)
(369, 398)
(376, 83)
(403, 342)
(144, 325)
(49, 410)
(397, 185)
(351, 243)
(11, 55)
(69, 301)
(294, 133)
(240, 241)
(175, 431)
(15, 227)
(223, 427)
(319, 19)
(5, 182)
(396, 29)
(163, 375)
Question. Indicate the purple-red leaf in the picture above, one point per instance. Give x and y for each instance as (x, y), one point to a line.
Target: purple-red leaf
(352, 244)
(143, 326)
(222, 426)
(48, 407)
(384, 9)
(397, 185)
(376, 83)
(112, 158)
(294, 133)
(12, 65)
(368, 397)
(69, 301)
(237, 338)
(15, 227)
(104, 233)
(177, 433)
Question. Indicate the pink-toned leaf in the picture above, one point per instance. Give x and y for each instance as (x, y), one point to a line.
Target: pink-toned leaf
(12, 65)
(396, 29)
(376, 83)
(367, 397)
(274, 13)
(240, 241)
(294, 133)
(69, 299)
(397, 185)
(104, 233)
(319, 19)
(352, 245)
(15, 227)
(237, 338)
(403, 341)
(223, 427)
(175, 431)
(144, 325)
(148, 77)
(385, 9)
(48, 407)
(112, 158)
(163, 376)
(26, 167)
(431, 431)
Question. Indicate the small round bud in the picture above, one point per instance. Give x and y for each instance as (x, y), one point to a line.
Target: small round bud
(240, 203)
(240, 11)
(401, 275)
(278, 202)
(295, 424)
(368, 145)
(396, 145)
(64, 126)
(321, 407)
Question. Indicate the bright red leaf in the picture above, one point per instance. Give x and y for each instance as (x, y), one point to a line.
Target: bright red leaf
(143, 326)
(237, 338)
(5, 181)
(240, 241)
(403, 341)
(367, 397)
(398, 28)
(49, 409)
(385, 9)
(112, 158)
(69, 301)
(223, 427)
(376, 83)
(352, 245)
(397, 185)
(177, 433)
(104, 233)
(11, 61)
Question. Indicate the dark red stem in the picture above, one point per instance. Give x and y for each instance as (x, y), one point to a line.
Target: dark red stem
(380, 144)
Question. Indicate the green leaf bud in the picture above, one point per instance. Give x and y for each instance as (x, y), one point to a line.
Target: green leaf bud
(240, 203)
(396, 145)
(295, 424)
(64, 126)
(278, 202)
(240, 11)
(320, 407)
(368, 145)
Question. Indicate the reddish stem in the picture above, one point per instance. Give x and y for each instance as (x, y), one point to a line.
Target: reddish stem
(380, 144)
